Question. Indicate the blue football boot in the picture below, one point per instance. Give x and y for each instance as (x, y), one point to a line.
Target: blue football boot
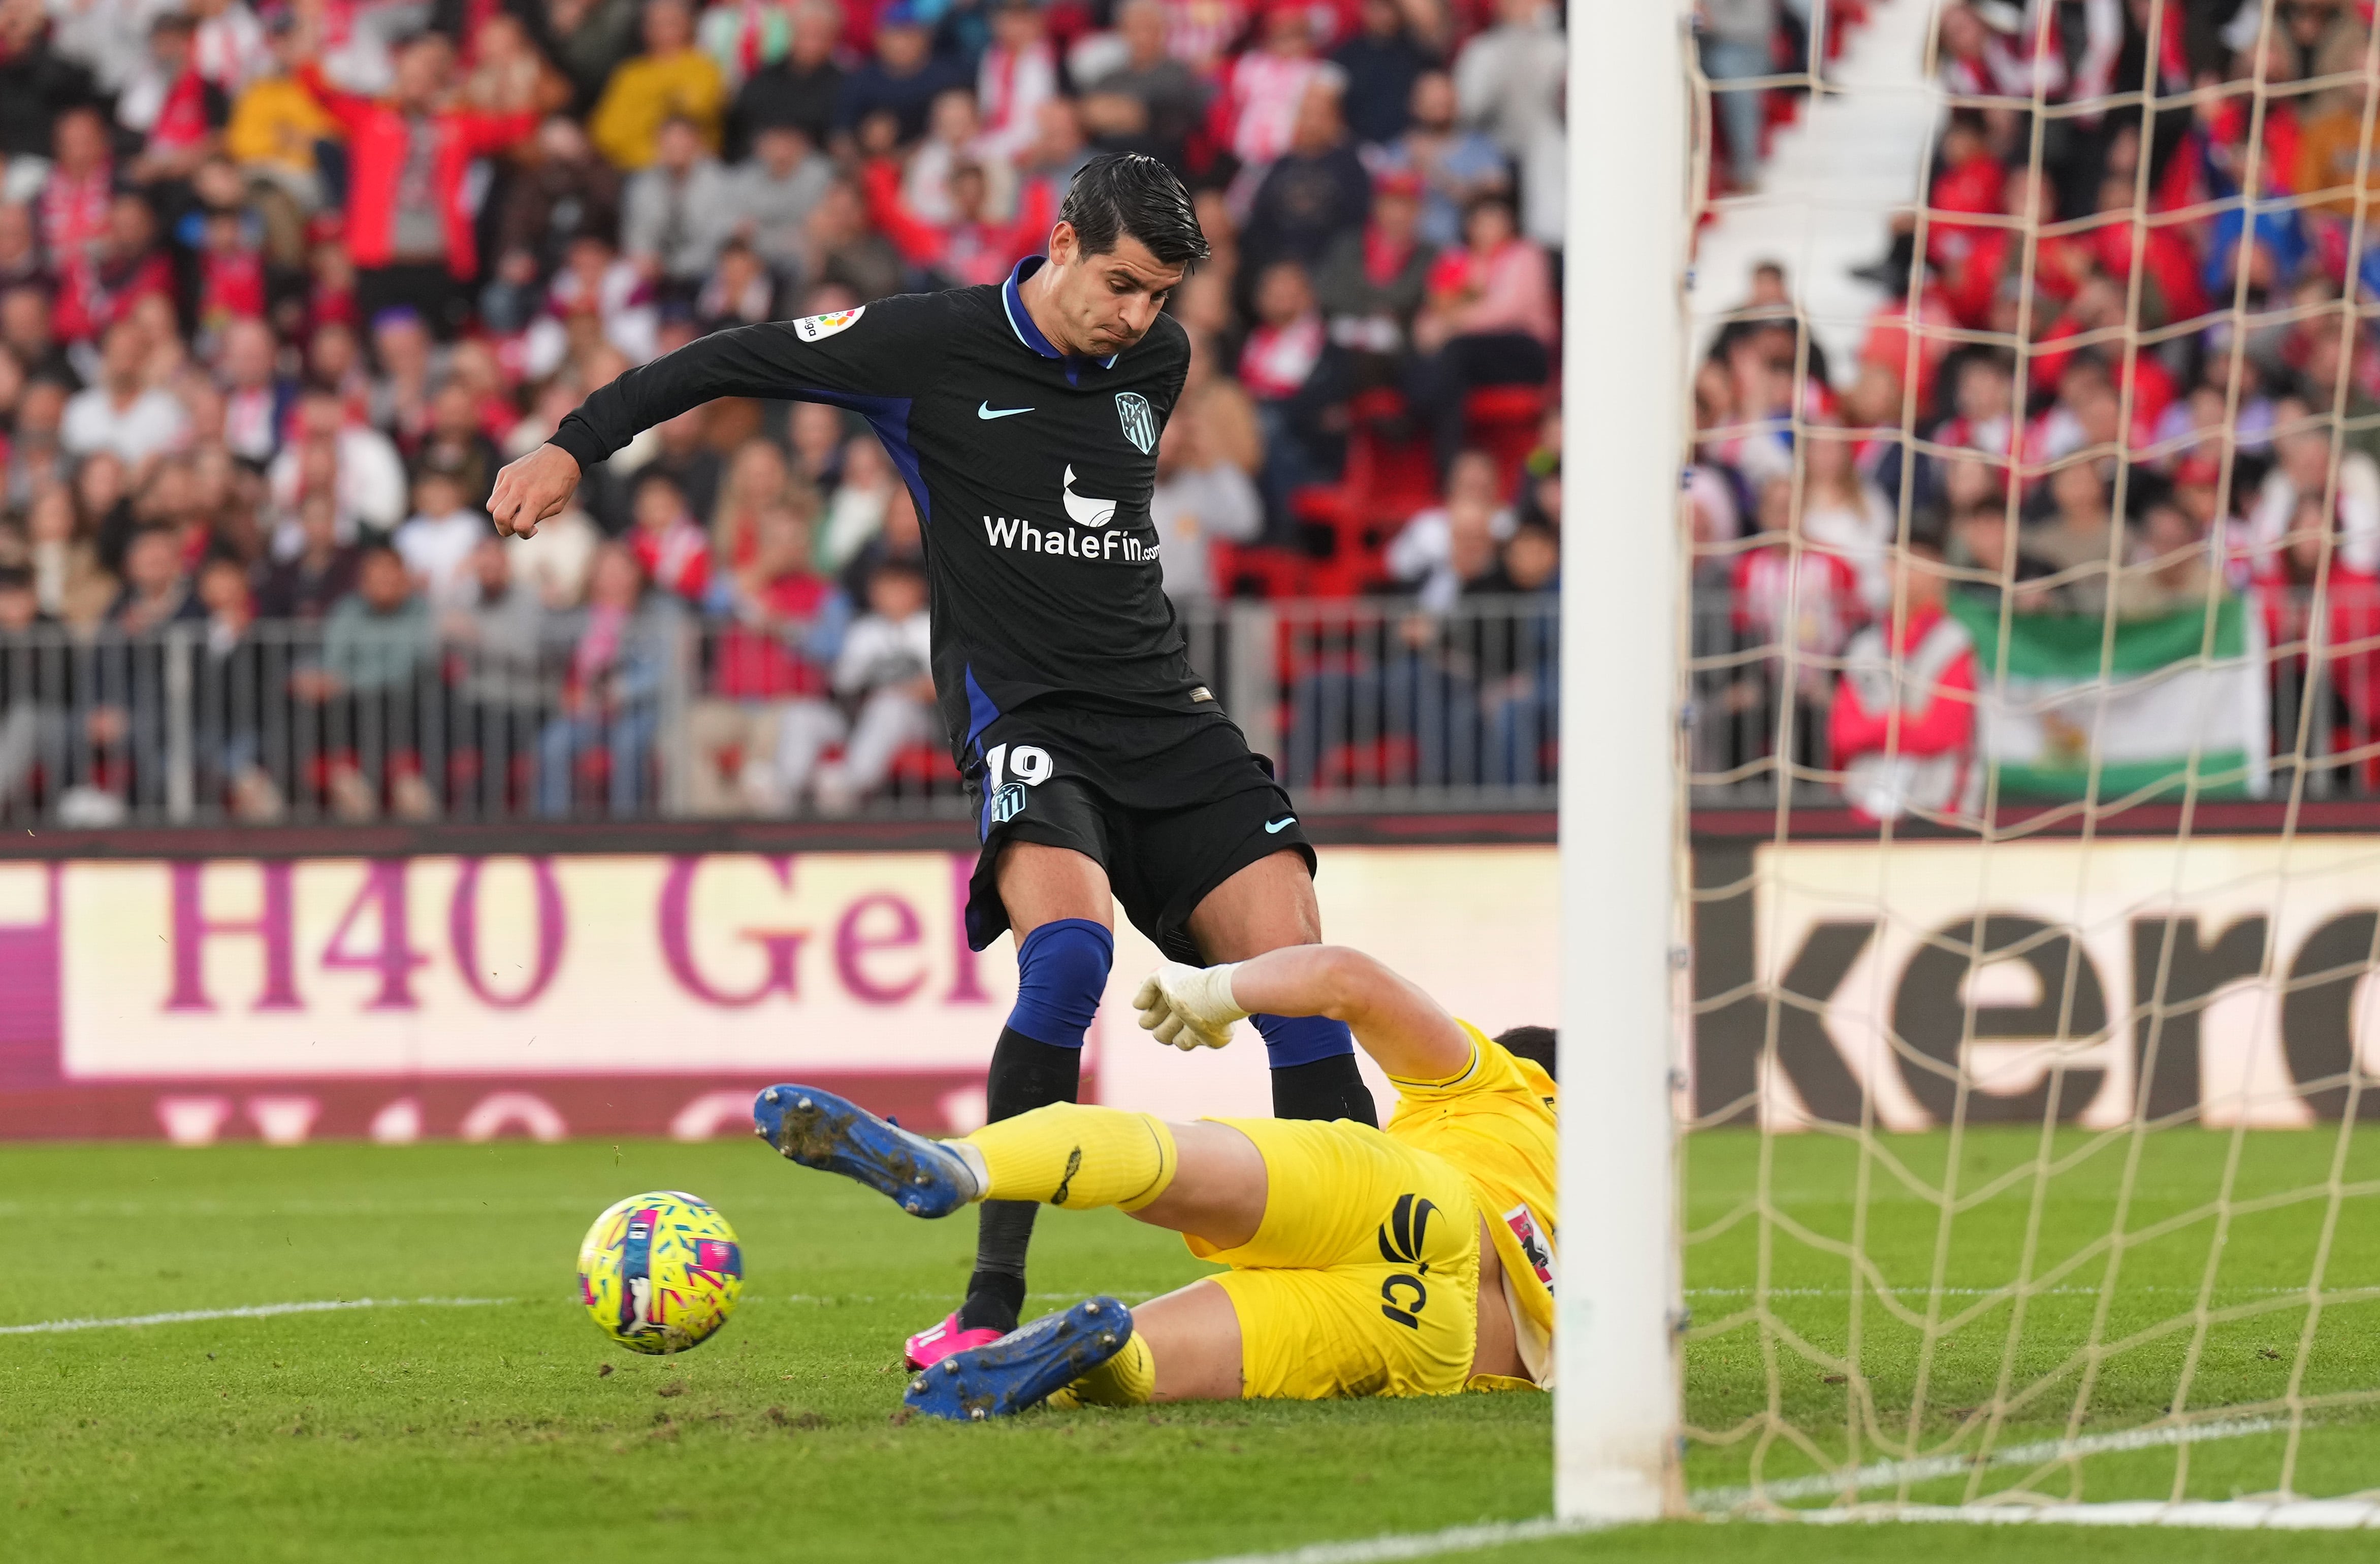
(820, 1130)
(1024, 1366)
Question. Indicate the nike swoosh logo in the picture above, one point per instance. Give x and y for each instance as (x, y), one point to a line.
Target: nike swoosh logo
(985, 410)
(1274, 826)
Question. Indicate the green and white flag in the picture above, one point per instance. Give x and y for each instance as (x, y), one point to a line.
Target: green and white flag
(2162, 700)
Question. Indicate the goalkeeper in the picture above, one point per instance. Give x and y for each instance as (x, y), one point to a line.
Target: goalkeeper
(1412, 1261)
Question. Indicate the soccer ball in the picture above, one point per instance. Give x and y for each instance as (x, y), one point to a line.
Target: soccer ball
(659, 1272)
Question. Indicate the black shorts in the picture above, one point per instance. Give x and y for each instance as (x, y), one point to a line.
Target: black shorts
(1171, 805)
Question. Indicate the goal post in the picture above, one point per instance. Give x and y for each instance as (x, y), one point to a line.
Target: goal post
(1988, 464)
(1617, 1376)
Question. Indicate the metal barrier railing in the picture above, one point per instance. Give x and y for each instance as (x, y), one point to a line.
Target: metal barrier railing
(1362, 704)
(1375, 704)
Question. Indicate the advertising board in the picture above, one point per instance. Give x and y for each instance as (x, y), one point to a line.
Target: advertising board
(592, 993)
(2220, 979)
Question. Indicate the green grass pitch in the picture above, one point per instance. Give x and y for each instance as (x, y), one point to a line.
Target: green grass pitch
(493, 1431)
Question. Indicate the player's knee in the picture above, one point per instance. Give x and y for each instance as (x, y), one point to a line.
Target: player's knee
(1062, 970)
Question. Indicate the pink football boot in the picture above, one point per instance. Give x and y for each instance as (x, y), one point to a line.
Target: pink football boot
(929, 1347)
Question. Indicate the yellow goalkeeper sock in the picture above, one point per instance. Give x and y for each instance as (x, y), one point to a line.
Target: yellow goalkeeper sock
(1078, 1157)
(1127, 1380)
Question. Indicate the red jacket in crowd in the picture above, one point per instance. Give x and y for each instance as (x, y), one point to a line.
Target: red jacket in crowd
(756, 663)
(968, 252)
(95, 293)
(376, 144)
(1908, 743)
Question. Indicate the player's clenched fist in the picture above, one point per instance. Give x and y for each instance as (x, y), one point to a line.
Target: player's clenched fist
(532, 489)
(1190, 1007)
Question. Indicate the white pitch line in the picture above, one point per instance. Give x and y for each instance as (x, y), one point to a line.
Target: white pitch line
(253, 1311)
(2223, 1515)
(2234, 1514)
(1420, 1544)
(1926, 1469)
(2238, 1515)
(1918, 1290)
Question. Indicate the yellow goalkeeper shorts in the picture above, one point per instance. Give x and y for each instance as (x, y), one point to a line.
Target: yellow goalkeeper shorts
(1363, 1277)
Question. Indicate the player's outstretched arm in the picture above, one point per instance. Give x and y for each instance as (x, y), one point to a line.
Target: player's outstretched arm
(771, 359)
(1402, 1028)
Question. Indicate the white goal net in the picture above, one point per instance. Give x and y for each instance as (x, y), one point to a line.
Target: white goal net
(2028, 592)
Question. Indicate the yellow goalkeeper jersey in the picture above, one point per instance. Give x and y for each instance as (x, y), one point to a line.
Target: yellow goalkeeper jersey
(1495, 1123)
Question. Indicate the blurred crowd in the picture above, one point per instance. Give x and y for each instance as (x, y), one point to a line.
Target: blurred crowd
(2196, 410)
(282, 287)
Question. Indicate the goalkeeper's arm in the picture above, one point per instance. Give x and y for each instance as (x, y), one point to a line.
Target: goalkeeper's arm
(1402, 1028)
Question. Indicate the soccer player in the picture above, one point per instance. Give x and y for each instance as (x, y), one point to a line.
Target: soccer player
(1416, 1261)
(1025, 418)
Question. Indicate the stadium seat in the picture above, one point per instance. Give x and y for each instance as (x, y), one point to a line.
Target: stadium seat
(1389, 465)
(1348, 564)
(1259, 570)
(1387, 761)
(1503, 421)
(923, 769)
(1357, 538)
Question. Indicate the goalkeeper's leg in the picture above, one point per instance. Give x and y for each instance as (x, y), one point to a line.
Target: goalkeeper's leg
(1204, 1179)
(1321, 1224)
(1312, 1268)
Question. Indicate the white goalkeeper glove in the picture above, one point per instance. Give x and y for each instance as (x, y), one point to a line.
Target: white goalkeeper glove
(1190, 1007)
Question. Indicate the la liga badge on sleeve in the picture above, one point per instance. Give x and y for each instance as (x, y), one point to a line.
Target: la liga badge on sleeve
(818, 328)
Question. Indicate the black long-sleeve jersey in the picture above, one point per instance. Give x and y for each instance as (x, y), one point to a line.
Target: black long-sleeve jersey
(1032, 472)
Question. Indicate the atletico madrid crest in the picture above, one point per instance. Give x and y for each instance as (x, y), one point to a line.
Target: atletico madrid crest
(1139, 423)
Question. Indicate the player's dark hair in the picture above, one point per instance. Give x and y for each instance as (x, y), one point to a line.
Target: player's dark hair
(1534, 1044)
(1126, 193)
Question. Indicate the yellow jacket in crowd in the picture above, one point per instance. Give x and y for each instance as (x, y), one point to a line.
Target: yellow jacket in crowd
(647, 91)
(276, 123)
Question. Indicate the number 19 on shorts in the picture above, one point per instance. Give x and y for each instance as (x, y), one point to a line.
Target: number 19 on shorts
(1032, 765)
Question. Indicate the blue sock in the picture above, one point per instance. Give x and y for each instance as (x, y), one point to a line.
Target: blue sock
(1301, 1039)
(1062, 970)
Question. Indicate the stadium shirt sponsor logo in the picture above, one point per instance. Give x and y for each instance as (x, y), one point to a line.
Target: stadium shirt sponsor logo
(818, 328)
(1083, 510)
(1139, 423)
(1523, 1223)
